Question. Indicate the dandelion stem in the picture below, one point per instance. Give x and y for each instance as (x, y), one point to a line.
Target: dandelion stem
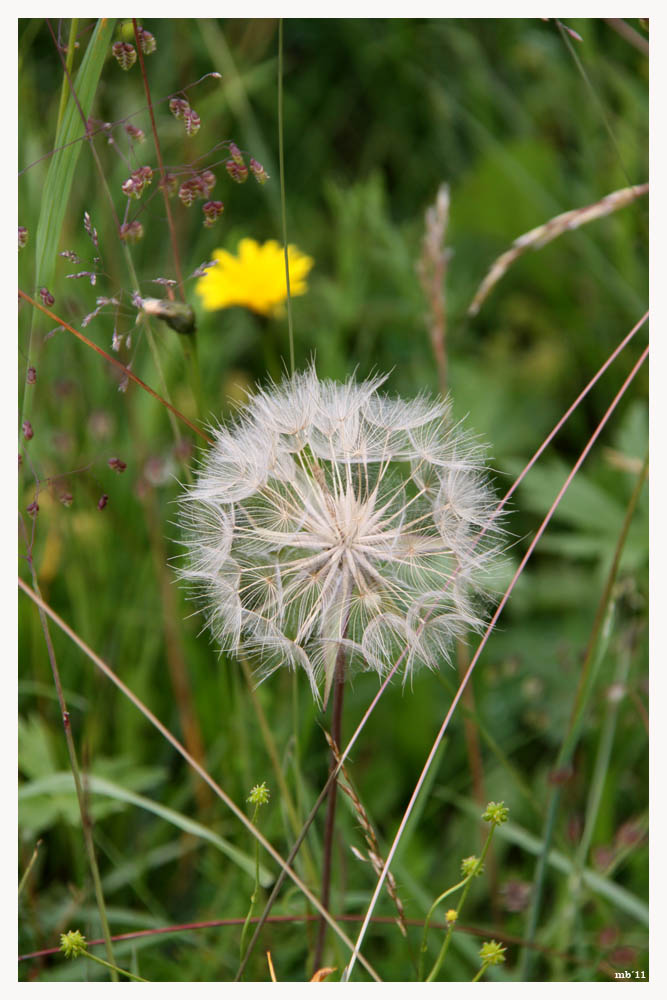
(336, 727)
(394, 669)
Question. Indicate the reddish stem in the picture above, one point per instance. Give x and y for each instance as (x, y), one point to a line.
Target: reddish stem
(336, 727)
(158, 151)
(114, 361)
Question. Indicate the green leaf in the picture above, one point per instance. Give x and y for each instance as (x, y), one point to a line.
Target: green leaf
(632, 437)
(35, 752)
(63, 782)
(40, 811)
(55, 195)
(585, 504)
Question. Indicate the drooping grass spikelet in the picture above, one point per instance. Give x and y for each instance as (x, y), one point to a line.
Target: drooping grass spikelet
(541, 235)
(373, 848)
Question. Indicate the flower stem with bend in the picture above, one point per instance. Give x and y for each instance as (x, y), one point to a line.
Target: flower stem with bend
(466, 888)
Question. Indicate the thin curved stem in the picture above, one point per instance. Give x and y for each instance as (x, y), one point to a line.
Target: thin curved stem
(574, 728)
(369, 711)
(482, 644)
(86, 824)
(158, 152)
(162, 729)
(283, 210)
(117, 364)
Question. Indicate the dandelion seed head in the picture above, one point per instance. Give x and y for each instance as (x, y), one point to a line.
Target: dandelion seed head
(332, 515)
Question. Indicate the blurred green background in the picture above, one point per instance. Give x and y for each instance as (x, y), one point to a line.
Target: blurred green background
(523, 122)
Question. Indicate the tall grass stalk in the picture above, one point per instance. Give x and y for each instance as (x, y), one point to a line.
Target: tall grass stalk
(188, 342)
(231, 805)
(69, 62)
(374, 702)
(158, 153)
(482, 644)
(60, 175)
(86, 824)
(283, 203)
(368, 317)
(90, 82)
(582, 698)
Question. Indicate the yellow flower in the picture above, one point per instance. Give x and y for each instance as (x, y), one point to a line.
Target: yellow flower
(255, 278)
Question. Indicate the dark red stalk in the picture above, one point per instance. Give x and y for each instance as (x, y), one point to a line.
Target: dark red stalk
(387, 680)
(336, 727)
(158, 152)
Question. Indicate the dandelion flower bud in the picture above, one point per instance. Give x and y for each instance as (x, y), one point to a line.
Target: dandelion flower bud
(332, 516)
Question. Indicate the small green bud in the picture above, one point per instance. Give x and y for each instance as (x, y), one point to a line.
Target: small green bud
(491, 953)
(72, 944)
(496, 813)
(259, 795)
(471, 866)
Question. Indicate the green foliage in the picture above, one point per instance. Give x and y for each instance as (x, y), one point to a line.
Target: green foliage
(378, 114)
(59, 180)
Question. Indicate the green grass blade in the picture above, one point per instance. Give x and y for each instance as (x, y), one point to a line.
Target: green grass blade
(597, 883)
(60, 175)
(62, 781)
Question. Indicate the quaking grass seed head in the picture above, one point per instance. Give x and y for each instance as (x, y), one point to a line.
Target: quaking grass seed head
(332, 516)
